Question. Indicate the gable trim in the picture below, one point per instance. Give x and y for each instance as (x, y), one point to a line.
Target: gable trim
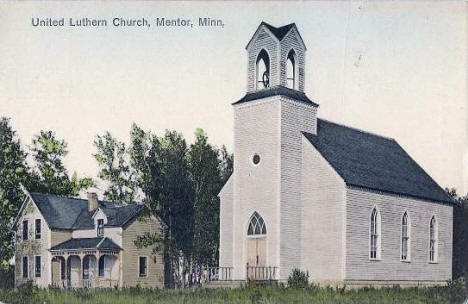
(262, 25)
(23, 205)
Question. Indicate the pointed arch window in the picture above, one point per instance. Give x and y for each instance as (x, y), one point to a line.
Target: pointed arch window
(291, 70)
(433, 240)
(263, 70)
(405, 238)
(256, 225)
(375, 239)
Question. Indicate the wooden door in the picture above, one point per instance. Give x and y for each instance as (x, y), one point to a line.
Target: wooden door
(256, 256)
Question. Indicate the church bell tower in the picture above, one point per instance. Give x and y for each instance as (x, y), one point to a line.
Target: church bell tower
(268, 125)
(276, 58)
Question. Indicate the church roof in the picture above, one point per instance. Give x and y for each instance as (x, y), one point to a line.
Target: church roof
(279, 32)
(371, 161)
(72, 213)
(275, 91)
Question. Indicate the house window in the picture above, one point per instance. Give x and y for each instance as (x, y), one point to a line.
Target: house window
(100, 227)
(25, 230)
(263, 70)
(405, 244)
(433, 240)
(291, 70)
(38, 229)
(101, 266)
(256, 225)
(375, 235)
(142, 266)
(37, 266)
(25, 267)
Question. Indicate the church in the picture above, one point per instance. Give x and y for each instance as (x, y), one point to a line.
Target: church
(347, 206)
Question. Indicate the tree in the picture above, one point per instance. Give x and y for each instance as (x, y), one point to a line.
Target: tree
(50, 175)
(161, 172)
(460, 235)
(114, 168)
(208, 169)
(13, 171)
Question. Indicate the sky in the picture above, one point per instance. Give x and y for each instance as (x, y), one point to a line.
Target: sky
(398, 69)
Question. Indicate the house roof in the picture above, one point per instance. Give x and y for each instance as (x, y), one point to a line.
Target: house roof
(101, 243)
(371, 161)
(72, 213)
(275, 91)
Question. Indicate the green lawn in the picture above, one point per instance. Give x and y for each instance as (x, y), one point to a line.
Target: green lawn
(454, 293)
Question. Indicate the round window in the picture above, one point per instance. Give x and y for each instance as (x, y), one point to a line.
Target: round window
(256, 159)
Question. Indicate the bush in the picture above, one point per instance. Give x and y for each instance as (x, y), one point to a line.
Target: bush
(457, 290)
(298, 279)
(7, 277)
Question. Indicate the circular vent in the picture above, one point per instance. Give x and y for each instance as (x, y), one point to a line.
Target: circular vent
(256, 159)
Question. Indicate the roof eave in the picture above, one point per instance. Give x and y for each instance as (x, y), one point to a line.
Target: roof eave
(448, 201)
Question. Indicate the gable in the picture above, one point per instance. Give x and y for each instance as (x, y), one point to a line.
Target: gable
(262, 32)
(28, 210)
(294, 35)
(366, 160)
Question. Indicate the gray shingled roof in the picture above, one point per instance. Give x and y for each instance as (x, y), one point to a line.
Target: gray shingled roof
(279, 32)
(101, 243)
(366, 160)
(72, 213)
(274, 91)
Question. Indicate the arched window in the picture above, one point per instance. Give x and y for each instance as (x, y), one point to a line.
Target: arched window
(256, 225)
(433, 240)
(291, 70)
(263, 70)
(375, 235)
(405, 237)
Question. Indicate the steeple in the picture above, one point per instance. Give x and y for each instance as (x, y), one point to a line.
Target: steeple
(276, 58)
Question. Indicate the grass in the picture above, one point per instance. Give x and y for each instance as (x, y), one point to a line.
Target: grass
(453, 293)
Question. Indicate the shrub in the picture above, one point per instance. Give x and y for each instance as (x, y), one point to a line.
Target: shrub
(457, 290)
(298, 279)
(7, 276)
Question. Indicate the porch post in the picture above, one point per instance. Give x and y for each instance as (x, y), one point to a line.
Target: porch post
(96, 269)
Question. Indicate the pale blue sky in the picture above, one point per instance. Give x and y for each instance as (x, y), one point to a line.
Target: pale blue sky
(393, 68)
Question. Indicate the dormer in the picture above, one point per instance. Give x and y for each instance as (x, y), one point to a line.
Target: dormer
(100, 220)
(276, 57)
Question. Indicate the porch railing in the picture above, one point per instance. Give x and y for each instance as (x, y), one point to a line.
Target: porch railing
(86, 283)
(261, 273)
(218, 274)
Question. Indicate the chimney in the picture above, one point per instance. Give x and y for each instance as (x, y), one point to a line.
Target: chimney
(92, 201)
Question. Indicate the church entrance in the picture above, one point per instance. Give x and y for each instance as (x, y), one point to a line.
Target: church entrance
(256, 248)
(256, 251)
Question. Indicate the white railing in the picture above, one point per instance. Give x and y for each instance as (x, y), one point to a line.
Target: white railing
(218, 274)
(86, 283)
(261, 273)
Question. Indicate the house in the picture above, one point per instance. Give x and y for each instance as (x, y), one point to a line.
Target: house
(70, 242)
(348, 206)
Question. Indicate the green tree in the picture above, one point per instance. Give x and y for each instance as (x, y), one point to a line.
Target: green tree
(460, 235)
(161, 172)
(13, 171)
(209, 169)
(114, 168)
(50, 174)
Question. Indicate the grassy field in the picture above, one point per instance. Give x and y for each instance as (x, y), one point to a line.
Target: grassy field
(454, 293)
